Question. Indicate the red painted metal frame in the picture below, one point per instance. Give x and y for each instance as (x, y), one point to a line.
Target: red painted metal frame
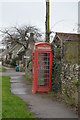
(41, 48)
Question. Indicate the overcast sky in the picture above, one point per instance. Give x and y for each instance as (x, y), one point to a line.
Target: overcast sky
(63, 15)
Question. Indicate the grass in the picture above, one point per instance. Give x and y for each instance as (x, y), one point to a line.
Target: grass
(12, 106)
(69, 101)
(2, 70)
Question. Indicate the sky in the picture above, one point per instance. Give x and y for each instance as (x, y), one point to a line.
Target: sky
(63, 14)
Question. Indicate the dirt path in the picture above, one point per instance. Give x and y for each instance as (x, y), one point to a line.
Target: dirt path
(40, 104)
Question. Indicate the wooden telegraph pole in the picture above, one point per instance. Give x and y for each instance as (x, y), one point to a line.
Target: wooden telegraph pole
(47, 21)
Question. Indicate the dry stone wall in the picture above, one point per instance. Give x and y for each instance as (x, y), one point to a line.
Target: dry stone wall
(66, 77)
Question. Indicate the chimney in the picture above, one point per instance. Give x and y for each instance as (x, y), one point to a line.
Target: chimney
(31, 38)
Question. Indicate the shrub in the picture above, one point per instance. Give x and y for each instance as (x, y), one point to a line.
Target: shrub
(7, 61)
(14, 60)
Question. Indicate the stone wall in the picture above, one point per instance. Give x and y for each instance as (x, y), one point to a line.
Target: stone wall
(69, 78)
(66, 76)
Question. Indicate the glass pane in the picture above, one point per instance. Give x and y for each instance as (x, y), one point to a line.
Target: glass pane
(43, 74)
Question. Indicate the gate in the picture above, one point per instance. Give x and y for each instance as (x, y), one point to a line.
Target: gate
(42, 67)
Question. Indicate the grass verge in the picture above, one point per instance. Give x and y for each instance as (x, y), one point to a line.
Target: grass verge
(12, 106)
(2, 70)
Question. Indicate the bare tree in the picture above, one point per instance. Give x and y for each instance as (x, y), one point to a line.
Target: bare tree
(20, 35)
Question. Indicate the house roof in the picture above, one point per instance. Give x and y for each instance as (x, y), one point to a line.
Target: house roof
(20, 50)
(6, 51)
(68, 36)
(14, 48)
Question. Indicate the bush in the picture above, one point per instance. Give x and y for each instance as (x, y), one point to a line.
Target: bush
(7, 61)
(14, 60)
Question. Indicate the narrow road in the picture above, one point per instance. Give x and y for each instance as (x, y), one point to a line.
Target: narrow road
(42, 105)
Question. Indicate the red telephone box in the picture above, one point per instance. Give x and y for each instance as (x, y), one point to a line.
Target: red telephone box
(42, 67)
